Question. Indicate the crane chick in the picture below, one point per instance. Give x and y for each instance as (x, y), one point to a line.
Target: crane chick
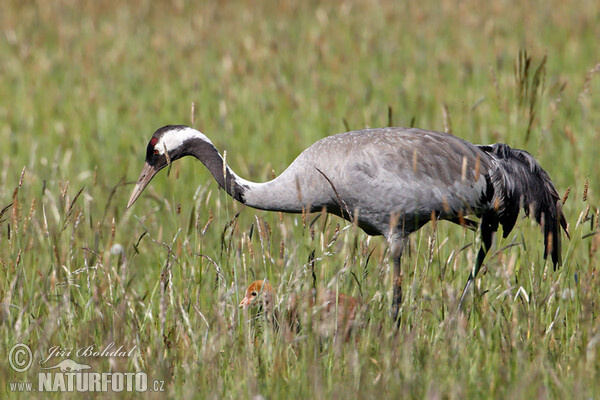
(331, 313)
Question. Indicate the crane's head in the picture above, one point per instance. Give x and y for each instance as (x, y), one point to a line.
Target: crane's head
(259, 293)
(168, 144)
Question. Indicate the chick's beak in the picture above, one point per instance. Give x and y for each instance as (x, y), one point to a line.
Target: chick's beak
(146, 176)
(245, 302)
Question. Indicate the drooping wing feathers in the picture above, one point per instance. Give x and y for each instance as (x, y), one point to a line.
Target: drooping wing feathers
(520, 182)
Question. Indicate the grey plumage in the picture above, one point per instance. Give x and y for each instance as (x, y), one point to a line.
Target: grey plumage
(391, 181)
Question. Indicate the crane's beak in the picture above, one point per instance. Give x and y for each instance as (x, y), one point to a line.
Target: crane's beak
(146, 176)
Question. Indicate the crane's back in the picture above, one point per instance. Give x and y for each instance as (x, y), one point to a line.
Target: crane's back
(406, 171)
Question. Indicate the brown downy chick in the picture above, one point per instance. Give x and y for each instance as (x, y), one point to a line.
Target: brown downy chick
(257, 294)
(331, 313)
(260, 295)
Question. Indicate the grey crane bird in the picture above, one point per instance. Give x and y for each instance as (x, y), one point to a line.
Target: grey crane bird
(391, 182)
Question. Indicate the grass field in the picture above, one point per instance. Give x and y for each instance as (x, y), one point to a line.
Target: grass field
(83, 85)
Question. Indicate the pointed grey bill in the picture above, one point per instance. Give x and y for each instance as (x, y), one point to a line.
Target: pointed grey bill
(146, 176)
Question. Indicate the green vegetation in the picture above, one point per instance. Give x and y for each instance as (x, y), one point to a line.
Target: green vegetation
(83, 87)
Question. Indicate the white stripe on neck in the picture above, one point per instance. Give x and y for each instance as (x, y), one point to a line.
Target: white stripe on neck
(176, 137)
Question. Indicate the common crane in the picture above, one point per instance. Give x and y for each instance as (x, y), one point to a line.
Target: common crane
(391, 182)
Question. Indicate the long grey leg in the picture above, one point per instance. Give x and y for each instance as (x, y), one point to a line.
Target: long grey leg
(488, 227)
(397, 245)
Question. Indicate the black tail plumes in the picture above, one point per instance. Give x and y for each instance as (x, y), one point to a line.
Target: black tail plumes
(519, 181)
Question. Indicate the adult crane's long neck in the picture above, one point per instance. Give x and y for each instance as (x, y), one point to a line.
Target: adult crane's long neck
(207, 153)
(275, 195)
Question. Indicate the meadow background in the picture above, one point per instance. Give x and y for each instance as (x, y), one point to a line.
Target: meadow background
(83, 85)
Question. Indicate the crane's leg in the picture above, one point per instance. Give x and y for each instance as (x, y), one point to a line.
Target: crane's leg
(397, 245)
(488, 227)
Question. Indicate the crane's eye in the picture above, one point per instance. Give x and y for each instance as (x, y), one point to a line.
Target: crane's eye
(155, 152)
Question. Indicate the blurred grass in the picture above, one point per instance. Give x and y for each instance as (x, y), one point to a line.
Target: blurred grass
(84, 84)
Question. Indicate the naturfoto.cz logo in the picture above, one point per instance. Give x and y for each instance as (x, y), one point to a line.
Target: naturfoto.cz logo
(68, 375)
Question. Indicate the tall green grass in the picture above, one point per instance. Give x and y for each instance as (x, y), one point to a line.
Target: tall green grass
(82, 88)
